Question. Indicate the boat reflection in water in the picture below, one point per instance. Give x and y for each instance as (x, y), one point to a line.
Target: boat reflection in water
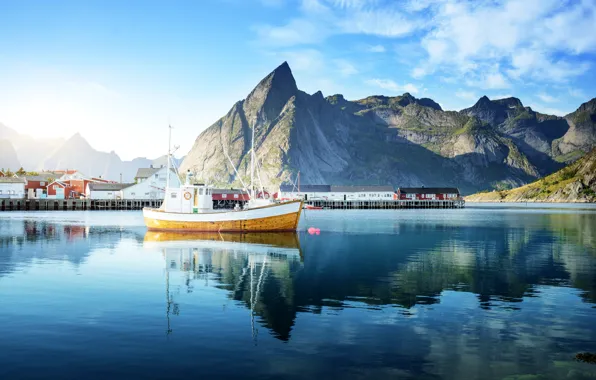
(239, 263)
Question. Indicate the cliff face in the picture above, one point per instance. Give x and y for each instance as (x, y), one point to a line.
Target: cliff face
(398, 140)
(581, 136)
(574, 183)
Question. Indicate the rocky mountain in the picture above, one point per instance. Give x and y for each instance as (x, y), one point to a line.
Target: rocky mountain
(398, 140)
(77, 153)
(30, 151)
(574, 183)
(532, 132)
(581, 136)
(17, 150)
(8, 156)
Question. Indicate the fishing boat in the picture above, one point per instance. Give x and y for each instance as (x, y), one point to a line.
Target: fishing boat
(189, 208)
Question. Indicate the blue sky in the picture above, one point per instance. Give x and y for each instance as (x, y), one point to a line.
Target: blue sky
(119, 71)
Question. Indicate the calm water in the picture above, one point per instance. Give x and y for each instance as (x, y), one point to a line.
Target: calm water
(479, 293)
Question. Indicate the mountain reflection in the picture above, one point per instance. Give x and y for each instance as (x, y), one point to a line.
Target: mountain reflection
(414, 266)
(278, 276)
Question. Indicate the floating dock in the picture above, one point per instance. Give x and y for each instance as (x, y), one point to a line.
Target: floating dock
(75, 204)
(120, 204)
(386, 204)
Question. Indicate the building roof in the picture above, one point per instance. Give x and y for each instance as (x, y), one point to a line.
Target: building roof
(305, 188)
(42, 177)
(94, 186)
(61, 183)
(228, 191)
(428, 190)
(364, 189)
(12, 180)
(146, 172)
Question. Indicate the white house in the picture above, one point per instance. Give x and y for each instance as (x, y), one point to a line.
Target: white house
(96, 190)
(151, 184)
(337, 193)
(12, 188)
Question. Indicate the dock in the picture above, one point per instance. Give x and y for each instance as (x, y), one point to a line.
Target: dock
(76, 204)
(139, 204)
(386, 204)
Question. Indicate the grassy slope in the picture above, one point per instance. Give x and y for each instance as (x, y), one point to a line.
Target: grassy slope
(574, 183)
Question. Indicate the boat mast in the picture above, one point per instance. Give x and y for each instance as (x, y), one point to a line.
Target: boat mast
(252, 160)
(169, 152)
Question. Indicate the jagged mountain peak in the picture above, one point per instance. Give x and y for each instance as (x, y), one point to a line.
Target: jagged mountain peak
(77, 140)
(268, 98)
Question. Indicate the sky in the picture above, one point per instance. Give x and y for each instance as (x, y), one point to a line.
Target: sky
(120, 71)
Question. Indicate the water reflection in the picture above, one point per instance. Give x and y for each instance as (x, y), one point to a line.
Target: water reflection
(255, 268)
(496, 297)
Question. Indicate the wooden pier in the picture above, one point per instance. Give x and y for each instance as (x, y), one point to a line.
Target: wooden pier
(138, 204)
(386, 204)
(75, 204)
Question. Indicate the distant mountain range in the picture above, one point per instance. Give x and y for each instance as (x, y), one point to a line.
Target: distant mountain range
(378, 140)
(398, 140)
(18, 150)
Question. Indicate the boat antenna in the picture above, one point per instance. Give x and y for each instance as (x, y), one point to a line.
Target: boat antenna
(252, 159)
(259, 176)
(169, 152)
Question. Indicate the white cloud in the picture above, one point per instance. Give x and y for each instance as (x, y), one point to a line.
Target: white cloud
(385, 23)
(577, 93)
(320, 19)
(532, 39)
(376, 49)
(466, 95)
(345, 68)
(296, 32)
(419, 72)
(547, 98)
(390, 85)
(489, 79)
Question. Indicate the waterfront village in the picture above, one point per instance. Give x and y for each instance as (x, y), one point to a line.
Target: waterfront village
(149, 186)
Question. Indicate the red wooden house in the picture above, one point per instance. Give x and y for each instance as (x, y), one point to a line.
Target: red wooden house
(40, 181)
(57, 188)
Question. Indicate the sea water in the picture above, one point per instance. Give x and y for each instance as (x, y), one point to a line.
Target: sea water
(485, 292)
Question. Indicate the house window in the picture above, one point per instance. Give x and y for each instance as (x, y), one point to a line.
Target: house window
(224, 196)
(109, 193)
(173, 195)
(156, 175)
(133, 194)
(42, 184)
(235, 195)
(146, 193)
